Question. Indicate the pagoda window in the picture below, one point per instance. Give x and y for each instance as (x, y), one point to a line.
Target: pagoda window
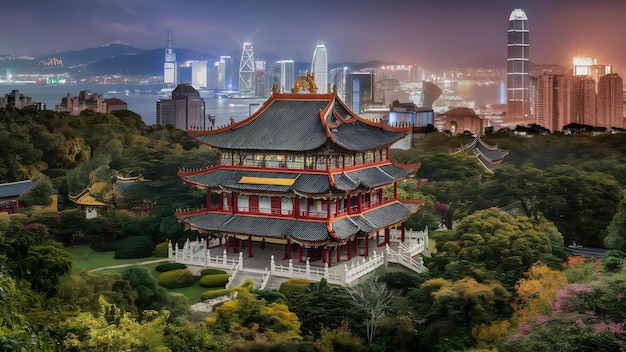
(375, 199)
(275, 161)
(384, 154)
(226, 158)
(320, 162)
(253, 204)
(333, 208)
(309, 162)
(366, 201)
(227, 202)
(258, 160)
(265, 205)
(295, 161)
(214, 200)
(369, 157)
(243, 204)
(286, 205)
(354, 205)
(317, 208)
(303, 206)
(341, 204)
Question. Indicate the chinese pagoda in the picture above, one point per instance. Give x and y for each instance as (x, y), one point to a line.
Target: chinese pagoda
(303, 171)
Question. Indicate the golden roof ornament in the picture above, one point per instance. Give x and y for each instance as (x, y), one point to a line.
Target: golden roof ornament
(306, 82)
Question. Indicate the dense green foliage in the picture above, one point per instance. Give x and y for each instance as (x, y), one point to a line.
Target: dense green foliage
(214, 281)
(170, 266)
(176, 278)
(495, 280)
(211, 271)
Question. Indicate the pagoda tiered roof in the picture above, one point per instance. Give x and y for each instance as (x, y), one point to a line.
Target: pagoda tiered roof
(303, 231)
(302, 122)
(490, 157)
(299, 182)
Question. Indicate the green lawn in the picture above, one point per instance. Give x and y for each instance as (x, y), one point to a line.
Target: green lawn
(86, 258)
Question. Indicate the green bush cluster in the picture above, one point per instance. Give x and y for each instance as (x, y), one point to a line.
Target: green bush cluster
(293, 285)
(210, 294)
(170, 266)
(176, 278)
(216, 280)
(161, 250)
(134, 247)
(210, 271)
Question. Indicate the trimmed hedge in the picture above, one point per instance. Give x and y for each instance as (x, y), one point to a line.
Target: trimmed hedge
(169, 267)
(176, 278)
(210, 294)
(134, 247)
(216, 280)
(209, 271)
(270, 296)
(293, 285)
(161, 250)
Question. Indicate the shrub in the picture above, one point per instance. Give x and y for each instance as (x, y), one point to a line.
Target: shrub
(134, 247)
(292, 286)
(270, 296)
(104, 246)
(612, 264)
(170, 266)
(176, 278)
(210, 294)
(206, 272)
(217, 280)
(161, 250)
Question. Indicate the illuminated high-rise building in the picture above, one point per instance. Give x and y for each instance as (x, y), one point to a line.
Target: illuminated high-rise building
(518, 67)
(287, 75)
(610, 101)
(247, 72)
(170, 74)
(199, 74)
(551, 102)
(584, 101)
(319, 67)
(359, 90)
(225, 73)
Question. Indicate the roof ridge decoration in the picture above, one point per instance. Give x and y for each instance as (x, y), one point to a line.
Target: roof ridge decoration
(306, 82)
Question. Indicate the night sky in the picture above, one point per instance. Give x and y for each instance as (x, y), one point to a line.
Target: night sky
(424, 32)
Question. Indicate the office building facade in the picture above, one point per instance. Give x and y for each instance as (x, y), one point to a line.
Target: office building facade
(185, 110)
(319, 67)
(518, 106)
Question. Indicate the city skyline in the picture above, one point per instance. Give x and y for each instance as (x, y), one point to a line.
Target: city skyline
(422, 32)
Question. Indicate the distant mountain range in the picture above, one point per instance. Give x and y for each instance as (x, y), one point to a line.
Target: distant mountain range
(121, 58)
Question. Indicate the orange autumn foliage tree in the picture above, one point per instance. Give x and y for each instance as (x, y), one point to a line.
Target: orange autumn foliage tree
(536, 293)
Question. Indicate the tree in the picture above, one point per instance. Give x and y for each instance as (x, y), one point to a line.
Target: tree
(45, 264)
(616, 231)
(374, 298)
(491, 244)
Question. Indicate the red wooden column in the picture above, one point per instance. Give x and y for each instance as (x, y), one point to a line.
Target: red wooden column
(250, 246)
(367, 245)
(234, 202)
(387, 234)
(330, 252)
(349, 250)
(324, 254)
(402, 231)
(328, 209)
(359, 199)
(227, 244)
(296, 207)
(395, 190)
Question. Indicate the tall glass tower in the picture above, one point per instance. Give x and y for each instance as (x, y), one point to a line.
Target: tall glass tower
(170, 74)
(319, 67)
(517, 67)
(247, 74)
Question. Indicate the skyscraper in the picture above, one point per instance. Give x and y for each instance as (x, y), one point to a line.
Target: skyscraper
(185, 109)
(319, 67)
(517, 67)
(247, 72)
(287, 75)
(170, 74)
(610, 101)
(225, 73)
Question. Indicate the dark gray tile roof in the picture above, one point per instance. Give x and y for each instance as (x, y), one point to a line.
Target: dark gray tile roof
(297, 229)
(286, 123)
(15, 189)
(397, 172)
(370, 177)
(304, 183)
(358, 135)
